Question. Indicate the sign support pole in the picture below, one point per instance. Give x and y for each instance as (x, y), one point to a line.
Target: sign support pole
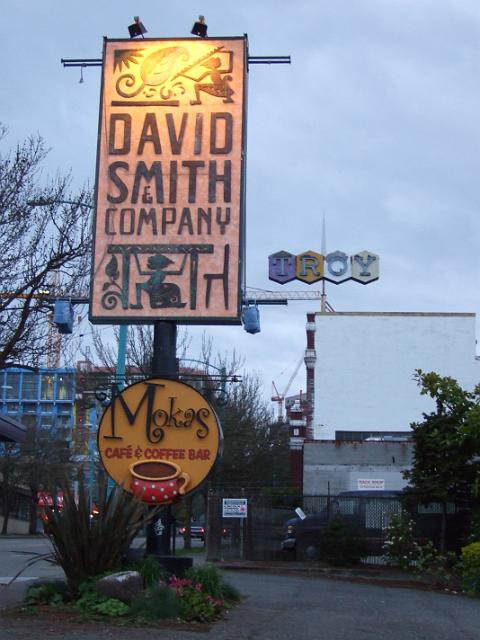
(164, 361)
(164, 365)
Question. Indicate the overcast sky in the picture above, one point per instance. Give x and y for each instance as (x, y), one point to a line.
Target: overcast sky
(374, 124)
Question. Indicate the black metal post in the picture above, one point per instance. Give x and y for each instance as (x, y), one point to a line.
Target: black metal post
(164, 365)
(164, 361)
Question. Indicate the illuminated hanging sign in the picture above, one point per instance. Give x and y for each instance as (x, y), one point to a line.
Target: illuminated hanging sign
(159, 439)
(336, 267)
(169, 220)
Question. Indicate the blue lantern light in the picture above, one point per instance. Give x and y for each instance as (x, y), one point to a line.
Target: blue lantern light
(63, 316)
(251, 318)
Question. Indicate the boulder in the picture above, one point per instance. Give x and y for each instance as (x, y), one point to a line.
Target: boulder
(124, 585)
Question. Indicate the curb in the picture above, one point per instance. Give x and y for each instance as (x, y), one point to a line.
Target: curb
(23, 536)
(373, 577)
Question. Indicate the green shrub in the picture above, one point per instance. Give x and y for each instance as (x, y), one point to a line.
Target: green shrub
(195, 604)
(89, 598)
(213, 582)
(156, 603)
(51, 593)
(400, 548)
(471, 568)
(474, 535)
(112, 607)
(442, 570)
(93, 602)
(151, 571)
(342, 543)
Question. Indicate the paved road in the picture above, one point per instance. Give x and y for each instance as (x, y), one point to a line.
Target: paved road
(16, 552)
(291, 608)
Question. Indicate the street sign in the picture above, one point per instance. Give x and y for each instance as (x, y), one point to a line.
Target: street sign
(370, 484)
(169, 218)
(234, 507)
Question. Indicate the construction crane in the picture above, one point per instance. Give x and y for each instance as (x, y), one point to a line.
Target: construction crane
(264, 296)
(280, 397)
(251, 295)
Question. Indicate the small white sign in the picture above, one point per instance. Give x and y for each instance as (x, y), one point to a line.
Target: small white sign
(300, 513)
(159, 527)
(234, 507)
(370, 484)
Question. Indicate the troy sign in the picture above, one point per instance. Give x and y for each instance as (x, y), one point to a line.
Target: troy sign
(169, 221)
(336, 267)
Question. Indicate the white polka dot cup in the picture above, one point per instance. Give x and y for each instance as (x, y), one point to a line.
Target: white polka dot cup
(158, 482)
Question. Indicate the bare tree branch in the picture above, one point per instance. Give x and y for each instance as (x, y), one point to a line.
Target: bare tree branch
(41, 247)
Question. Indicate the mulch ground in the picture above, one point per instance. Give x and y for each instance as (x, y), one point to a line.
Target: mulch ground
(66, 622)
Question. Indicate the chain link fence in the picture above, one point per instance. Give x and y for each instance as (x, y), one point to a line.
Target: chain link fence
(259, 535)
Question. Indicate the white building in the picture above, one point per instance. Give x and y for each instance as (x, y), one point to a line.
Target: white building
(362, 396)
(360, 369)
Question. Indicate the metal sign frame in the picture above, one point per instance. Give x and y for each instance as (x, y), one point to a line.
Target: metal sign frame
(235, 508)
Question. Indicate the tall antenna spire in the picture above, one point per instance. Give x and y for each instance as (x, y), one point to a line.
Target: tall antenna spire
(324, 237)
(323, 299)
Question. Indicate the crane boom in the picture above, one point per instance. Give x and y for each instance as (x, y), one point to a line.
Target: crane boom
(280, 397)
(251, 293)
(292, 377)
(263, 294)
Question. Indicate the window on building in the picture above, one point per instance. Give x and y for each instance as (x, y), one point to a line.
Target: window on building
(47, 422)
(47, 387)
(30, 408)
(64, 422)
(11, 407)
(46, 407)
(12, 386)
(64, 408)
(30, 386)
(373, 436)
(65, 387)
(435, 508)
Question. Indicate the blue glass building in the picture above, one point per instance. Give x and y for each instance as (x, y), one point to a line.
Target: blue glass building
(44, 398)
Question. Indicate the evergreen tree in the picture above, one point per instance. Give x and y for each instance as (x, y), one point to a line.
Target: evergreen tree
(444, 466)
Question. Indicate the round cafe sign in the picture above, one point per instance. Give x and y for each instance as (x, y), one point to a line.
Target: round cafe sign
(159, 439)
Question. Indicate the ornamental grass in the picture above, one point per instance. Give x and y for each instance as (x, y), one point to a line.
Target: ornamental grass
(86, 546)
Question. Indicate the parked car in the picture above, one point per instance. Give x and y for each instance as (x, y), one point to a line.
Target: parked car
(196, 532)
(301, 536)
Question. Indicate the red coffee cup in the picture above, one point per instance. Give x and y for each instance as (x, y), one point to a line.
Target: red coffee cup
(157, 481)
